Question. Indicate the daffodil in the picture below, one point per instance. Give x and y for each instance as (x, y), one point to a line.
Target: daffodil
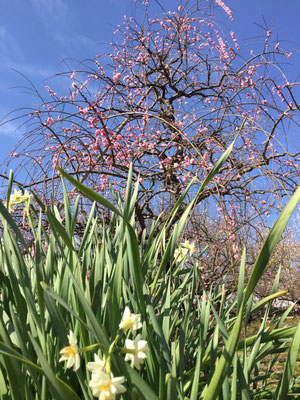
(96, 366)
(184, 249)
(106, 386)
(17, 198)
(70, 353)
(189, 246)
(135, 351)
(130, 321)
(180, 253)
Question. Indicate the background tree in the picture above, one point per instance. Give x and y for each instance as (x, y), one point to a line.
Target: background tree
(286, 257)
(224, 240)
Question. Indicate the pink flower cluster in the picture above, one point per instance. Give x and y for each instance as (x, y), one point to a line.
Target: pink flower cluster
(225, 8)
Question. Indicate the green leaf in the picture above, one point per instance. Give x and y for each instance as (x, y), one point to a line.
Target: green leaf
(59, 389)
(211, 392)
(7, 217)
(270, 243)
(140, 384)
(91, 194)
(267, 299)
(195, 386)
(289, 367)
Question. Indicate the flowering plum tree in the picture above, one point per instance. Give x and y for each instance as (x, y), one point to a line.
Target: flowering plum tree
(169, 97)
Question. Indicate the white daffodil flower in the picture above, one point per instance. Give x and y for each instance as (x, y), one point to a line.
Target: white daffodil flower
(96, 366)
(184, 249)
(189, 246)
(70, 353)
(130, 321)
(106, 386)
(17, 198)
(135, 351)
(180, 253)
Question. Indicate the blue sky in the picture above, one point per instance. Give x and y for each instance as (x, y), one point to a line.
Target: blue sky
(36, 36)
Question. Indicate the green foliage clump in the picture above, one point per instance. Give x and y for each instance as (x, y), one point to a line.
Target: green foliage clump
(195, 349)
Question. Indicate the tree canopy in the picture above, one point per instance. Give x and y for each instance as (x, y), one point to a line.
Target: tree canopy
(169, 96)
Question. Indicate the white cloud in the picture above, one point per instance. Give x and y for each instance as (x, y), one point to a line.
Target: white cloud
(31, 70)
(8, 45)
(51, 10)
(11, 129)
(14, 74)
(75, 40)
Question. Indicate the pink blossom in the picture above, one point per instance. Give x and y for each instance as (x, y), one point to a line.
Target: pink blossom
(235, 40)
(116, 77)
(50, 121)
(33, 252)
(225, 8)
(84, 111)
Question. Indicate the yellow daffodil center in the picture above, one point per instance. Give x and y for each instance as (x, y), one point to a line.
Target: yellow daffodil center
(127, 324)
(70, 350)
(106, 387)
